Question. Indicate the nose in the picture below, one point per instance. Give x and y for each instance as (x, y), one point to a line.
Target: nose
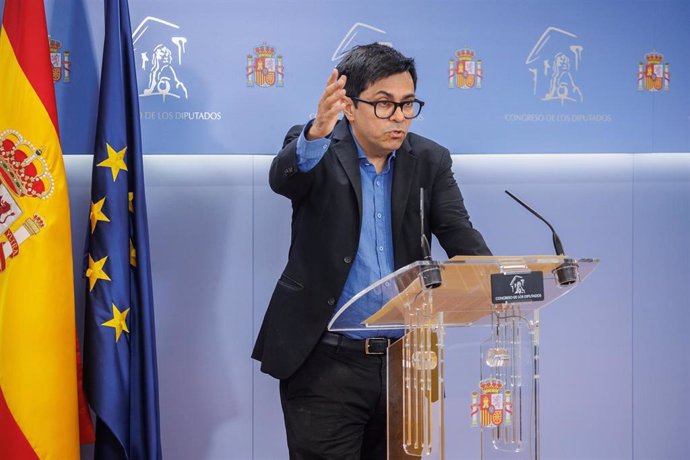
(397, 115)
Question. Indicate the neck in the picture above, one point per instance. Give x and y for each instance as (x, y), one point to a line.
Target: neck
(379, 162)
(377, 159)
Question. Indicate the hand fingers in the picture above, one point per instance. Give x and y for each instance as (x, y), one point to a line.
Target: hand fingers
(331, 103)
(332, 77)
(334, 86)
(333, 95)
(333, 98)
(330, 112)
(334, 104)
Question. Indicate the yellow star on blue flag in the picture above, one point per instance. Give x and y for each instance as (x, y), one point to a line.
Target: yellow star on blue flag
(115, 161)
(118, 322)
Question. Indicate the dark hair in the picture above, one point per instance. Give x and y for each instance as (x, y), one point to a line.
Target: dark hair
(366, 64)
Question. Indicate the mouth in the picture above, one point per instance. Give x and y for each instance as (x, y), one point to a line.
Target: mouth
(396, 134)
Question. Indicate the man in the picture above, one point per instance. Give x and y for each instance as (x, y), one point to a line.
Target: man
(355, 186)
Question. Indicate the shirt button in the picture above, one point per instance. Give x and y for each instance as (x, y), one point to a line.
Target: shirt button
(379, 215)
(331, 301)
(387, 283)
(377, 183)
(380, 248)
(347, 260)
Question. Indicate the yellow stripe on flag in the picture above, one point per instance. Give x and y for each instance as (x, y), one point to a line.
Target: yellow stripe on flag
(37, 324)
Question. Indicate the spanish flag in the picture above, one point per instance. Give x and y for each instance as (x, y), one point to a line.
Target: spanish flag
(38, 361)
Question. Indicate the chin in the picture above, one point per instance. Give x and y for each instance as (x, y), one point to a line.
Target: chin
(394, 145)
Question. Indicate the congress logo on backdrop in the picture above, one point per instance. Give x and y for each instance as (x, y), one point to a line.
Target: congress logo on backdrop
(554, 63)
(264, 68)
(60, 60)
(653, 75)
(160, 53)
(159, 50)
(359, 34)
(465, 72)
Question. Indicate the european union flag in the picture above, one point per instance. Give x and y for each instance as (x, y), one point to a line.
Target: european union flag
(120, 374)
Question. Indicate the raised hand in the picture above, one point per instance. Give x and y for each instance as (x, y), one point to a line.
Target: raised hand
(332, 102)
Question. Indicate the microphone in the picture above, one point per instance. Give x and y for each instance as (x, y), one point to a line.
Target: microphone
(431, 274)
(567, 272)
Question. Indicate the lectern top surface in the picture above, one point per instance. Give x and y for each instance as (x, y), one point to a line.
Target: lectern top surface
(464, 297)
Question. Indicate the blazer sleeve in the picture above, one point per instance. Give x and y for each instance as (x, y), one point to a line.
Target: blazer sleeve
(450, 221)
(284, 176)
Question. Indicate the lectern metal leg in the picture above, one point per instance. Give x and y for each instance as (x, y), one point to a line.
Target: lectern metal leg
(509, 386)
(415, 383)
(395, 403)
(535, 357)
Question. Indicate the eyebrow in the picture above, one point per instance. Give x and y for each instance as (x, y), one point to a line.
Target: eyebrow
(389, 95)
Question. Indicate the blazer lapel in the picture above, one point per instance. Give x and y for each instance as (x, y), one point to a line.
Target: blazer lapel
(346, 152)
(405, 165)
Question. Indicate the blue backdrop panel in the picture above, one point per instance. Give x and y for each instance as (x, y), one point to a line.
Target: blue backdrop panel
(532, 76)
(76, 30)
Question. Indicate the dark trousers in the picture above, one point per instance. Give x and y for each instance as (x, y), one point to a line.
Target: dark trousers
(335, 406)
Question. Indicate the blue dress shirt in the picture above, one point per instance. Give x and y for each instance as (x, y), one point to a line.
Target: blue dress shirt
(374, 258)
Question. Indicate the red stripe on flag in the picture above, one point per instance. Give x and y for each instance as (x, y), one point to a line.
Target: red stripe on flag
(86, 434)
(23, 21)
(13, 444)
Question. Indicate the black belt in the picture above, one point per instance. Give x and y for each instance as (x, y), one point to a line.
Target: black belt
(370, 346)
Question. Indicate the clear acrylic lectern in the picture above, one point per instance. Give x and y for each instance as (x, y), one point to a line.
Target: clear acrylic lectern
(503, 406)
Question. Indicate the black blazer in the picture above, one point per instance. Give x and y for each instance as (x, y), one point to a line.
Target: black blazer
(326, 220)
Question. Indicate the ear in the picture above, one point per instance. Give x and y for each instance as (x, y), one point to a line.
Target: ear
(349, 109)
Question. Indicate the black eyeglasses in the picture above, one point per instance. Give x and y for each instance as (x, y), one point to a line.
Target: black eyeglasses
(386, 109)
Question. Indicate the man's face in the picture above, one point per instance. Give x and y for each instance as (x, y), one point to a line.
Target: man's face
(379, 137)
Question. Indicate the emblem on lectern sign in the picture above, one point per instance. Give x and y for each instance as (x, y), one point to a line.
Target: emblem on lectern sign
(492, 406)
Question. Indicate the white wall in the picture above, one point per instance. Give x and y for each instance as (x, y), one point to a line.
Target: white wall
(614, 362)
